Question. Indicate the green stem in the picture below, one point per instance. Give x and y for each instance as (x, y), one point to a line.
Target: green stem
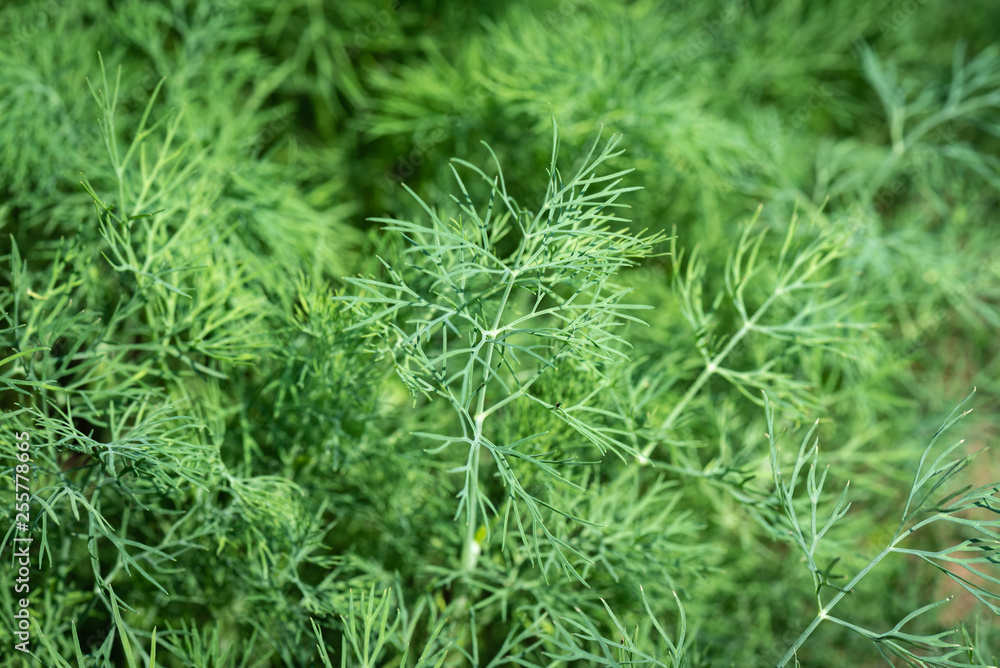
(471, 549)
(710, 370)
(825, 611)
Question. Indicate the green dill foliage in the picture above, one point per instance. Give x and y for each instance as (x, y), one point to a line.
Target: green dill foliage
(930, 500)
(333, 351)
(477, 327)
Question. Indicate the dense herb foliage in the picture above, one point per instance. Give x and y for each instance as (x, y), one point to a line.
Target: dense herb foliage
(527, 333)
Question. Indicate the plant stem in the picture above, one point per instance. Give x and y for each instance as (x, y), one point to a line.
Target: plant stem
(471, 549)
(711, 368)
(825, 611)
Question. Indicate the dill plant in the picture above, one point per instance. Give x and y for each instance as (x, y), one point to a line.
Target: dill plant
(929, 500)
(478, 327)
(522, 433)
(409, 323)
